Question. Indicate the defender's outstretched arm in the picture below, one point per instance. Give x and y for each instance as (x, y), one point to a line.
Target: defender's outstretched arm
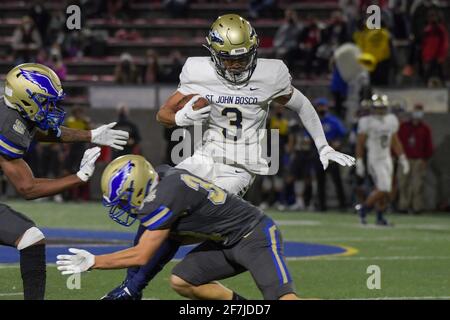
(29, 187)
(103, 136)
(82, 260)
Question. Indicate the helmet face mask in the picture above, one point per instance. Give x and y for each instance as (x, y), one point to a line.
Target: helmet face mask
(126, 182)
(35, 91)
(235, 69)
(233, 44)
(49, 115)
(121, 210)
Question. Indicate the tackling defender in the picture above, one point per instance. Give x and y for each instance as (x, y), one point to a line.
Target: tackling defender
(29, 110)
(240, 89)
(377, 133)
(239, 237)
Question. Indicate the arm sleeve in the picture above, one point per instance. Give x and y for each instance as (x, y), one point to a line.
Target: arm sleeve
(308, 115)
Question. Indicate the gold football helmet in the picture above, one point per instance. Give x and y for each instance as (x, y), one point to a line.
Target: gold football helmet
(232, 42)
(379, 104)
(125, 183)
(35, 91)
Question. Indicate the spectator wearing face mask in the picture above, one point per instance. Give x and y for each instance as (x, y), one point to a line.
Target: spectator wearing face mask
(285, 40)
(26, 41)
(41, 18)
(151, 73)
(126, 71)
(172, 72)
(56, 62)
(310, 38)
(335, 133)
(415, 136)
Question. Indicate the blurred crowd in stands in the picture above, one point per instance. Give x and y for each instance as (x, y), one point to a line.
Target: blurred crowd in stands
(416, 26)
(410, 49)
(306, 43)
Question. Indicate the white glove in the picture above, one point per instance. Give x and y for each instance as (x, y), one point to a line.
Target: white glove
(80, 261)
(187, 116)
(360, 169)
(87, 165)
(106, 136)
(327, 153)
(404, 163)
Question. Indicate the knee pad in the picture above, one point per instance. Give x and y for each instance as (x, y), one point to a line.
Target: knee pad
(30, 237)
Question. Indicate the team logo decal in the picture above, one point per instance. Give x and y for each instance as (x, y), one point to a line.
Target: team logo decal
(19, 127)
(117, 181)
(215, 37)
(40, 80)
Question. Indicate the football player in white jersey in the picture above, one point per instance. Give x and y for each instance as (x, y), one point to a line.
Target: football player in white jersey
(240, 89)
(377, 135)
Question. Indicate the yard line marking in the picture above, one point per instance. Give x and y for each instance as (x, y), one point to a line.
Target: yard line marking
(11, 294)
(8, 266)
(343, 258)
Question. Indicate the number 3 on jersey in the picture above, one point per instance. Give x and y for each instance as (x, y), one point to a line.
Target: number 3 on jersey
(235, 119)
(215, 194)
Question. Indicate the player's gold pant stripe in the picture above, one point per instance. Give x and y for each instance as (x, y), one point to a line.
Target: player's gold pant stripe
(11, 149)
(156, 218)
(273, 240)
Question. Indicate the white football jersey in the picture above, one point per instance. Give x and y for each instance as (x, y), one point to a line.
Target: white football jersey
(379, 131)
(237, 112)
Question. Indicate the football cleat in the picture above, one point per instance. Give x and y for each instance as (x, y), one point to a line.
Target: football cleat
(122, 293)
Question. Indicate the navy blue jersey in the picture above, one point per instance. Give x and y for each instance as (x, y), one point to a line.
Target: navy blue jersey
(191, 206)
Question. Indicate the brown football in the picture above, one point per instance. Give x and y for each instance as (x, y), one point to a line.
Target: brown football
(199, 104)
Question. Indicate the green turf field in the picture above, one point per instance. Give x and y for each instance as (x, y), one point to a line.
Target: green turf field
(414, 256)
